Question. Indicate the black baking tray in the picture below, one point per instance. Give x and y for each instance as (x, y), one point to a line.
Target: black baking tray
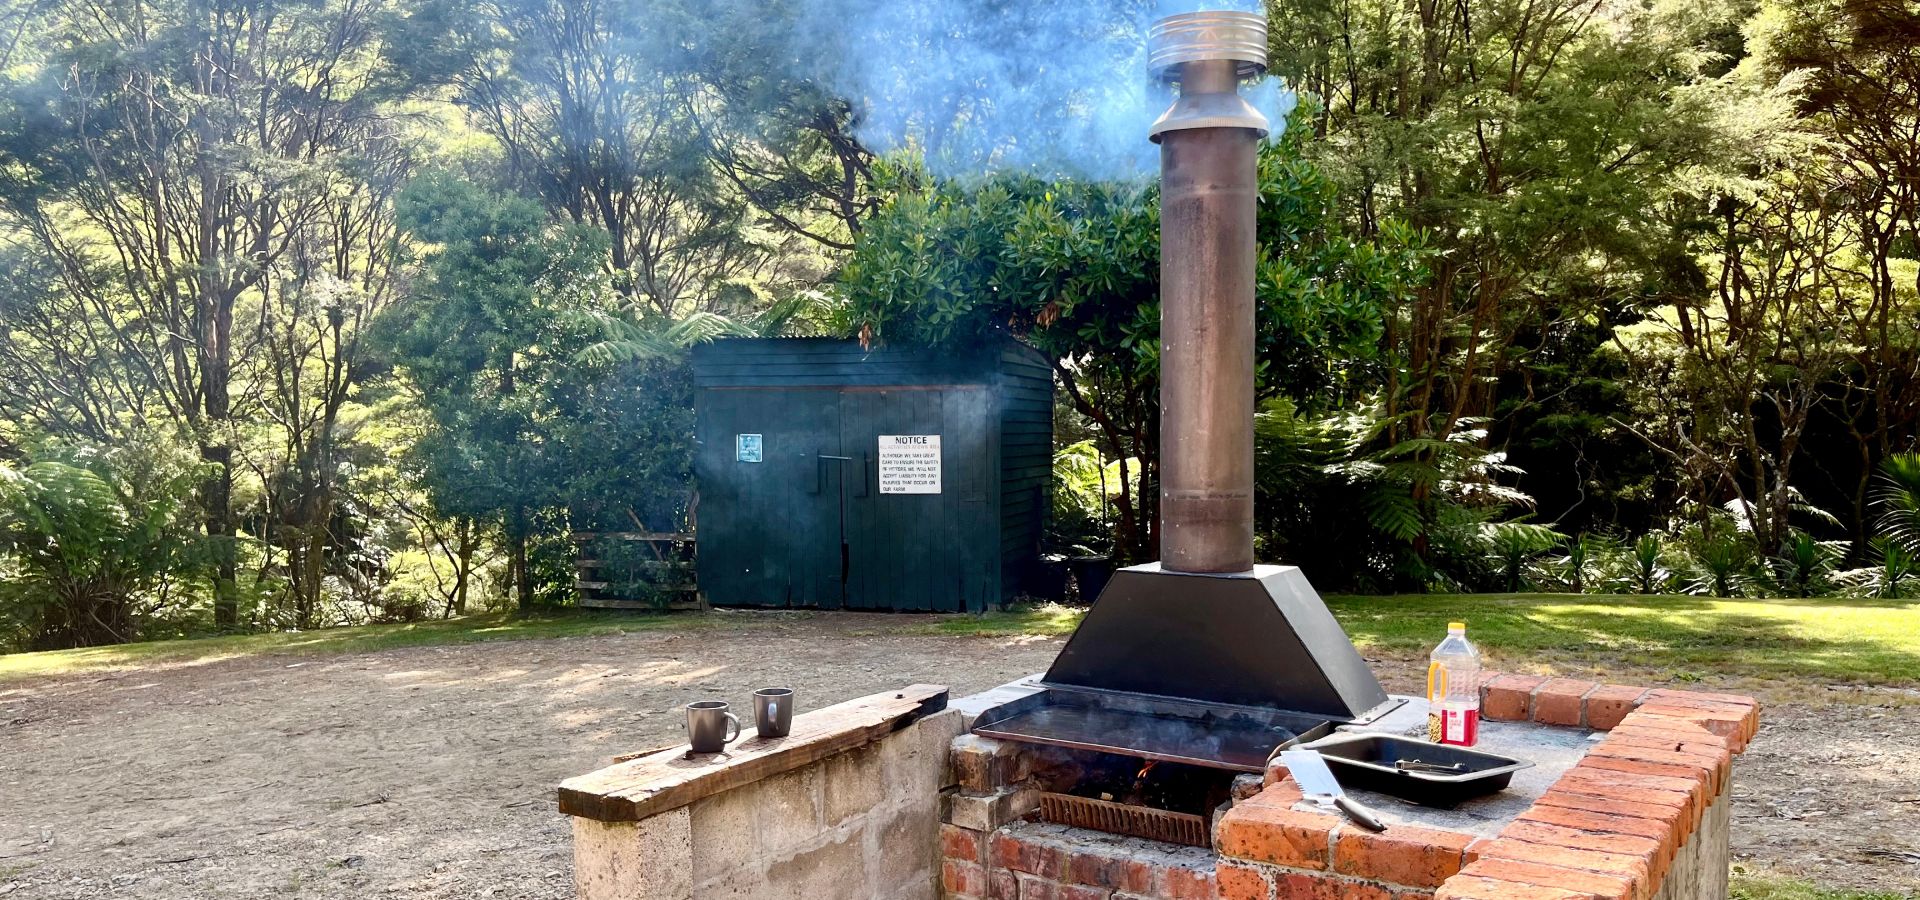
(1366, 760)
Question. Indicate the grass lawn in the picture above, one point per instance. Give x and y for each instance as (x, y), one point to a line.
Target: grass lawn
(1875, 641)
(1747, 887)
(1686, 637)
(357, 639)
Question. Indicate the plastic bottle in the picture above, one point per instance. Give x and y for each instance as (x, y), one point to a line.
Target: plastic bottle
(1453, 694)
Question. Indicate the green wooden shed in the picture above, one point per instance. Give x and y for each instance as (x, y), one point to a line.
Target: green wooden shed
(835, 477)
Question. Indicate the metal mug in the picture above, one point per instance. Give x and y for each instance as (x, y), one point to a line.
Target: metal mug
(773, 711)
(707, 726)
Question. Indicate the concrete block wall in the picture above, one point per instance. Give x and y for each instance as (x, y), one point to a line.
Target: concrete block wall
(863, 823)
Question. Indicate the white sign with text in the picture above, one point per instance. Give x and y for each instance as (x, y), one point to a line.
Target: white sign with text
(909, 464)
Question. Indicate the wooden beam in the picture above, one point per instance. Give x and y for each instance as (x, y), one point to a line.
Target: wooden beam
(672, 778)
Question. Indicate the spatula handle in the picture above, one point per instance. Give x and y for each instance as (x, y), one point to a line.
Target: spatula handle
(1361, 816)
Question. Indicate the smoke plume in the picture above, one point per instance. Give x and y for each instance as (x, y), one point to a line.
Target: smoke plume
(1048, 87)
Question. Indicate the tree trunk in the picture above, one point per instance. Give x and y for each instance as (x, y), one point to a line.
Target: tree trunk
(216, 496)
(517, 562)
(462, 565)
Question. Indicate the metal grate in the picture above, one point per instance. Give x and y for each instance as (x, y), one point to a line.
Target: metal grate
(1121, 818)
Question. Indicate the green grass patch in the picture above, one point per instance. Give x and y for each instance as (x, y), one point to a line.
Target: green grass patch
(356, 639)
(1682, 637)
(1046, 620)
(1754, 887)
(1874, 641)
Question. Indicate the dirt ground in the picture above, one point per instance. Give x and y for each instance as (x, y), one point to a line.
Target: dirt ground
(429, 772)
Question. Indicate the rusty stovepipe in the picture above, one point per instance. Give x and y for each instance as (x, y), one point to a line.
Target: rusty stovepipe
(1209, 186)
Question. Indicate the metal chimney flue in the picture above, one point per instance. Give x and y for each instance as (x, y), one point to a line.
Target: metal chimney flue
(1209, 189)
(1202, 658)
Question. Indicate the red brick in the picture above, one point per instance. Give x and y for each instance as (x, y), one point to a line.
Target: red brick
(1404, 854)
(1724, 721)
(1595, 884)
(1610, 703)
(1664, 835)
(1747, 713)
(1036, 857)
(1509, 697)
(1263, 832)
(961, 843)
(1113, 872)
(1626, 785)
(1715, 752)
(1616, 864)
(1677, 779)
(1562, 836)
(1640, 759)
(1709, 696)
(1654, 726)
(1558, 700)
(1742, 709)
(1468, 887)
(1709, 770)
(1182, 883)
(1660, 816)
(963, 878)
(1035, 888)
(1002, 885)
(1283, 793)
(1238, 882)
(1411, 894)
(1295, 886)
(1082, 892)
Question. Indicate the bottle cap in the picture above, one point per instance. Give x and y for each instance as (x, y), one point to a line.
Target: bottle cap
(1456, 626)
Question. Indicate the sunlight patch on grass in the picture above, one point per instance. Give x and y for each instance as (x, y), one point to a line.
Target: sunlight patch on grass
(1861, 640)
(1756, 887)
(1042, 620)
(356, 639)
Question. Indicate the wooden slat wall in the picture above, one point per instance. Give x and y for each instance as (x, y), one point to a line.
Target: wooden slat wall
(909, 552)
(1026, 461)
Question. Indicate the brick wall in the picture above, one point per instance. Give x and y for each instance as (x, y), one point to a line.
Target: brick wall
(1643, 816)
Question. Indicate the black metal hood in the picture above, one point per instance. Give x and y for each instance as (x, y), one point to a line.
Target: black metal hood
(1261, 639)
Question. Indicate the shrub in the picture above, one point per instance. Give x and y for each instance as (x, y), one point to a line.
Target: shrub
(97, 542)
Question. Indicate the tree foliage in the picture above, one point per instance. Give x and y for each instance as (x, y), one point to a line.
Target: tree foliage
(96, 540)
(1073, 269)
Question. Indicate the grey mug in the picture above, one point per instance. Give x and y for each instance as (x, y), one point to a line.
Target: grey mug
(773, 711)
(708, 724)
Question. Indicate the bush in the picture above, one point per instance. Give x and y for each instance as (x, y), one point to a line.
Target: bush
(97, 542)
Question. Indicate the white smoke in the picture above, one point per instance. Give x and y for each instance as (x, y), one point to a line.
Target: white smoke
(1047, 87)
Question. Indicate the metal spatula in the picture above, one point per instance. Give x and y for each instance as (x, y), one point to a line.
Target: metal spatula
(1317, 782)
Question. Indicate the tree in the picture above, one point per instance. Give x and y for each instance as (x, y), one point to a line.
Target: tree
(170, 162)
(1073, 268)
(611, 126)
(1536, 142)
(483, 337)
(1857, 70)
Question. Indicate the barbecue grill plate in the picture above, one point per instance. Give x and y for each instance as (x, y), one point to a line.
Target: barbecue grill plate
(1218, 736)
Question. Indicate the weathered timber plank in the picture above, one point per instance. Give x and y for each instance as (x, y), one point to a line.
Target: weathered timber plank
(672, 778)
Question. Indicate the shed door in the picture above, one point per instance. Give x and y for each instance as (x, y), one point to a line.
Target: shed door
(770, 531)
(928, 552)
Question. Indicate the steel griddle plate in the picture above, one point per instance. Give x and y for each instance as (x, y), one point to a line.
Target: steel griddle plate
(1233, 738)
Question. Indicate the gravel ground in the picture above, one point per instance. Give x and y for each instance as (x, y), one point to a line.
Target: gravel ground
(428, 772)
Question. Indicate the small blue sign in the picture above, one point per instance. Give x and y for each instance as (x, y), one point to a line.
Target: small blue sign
(746, 448)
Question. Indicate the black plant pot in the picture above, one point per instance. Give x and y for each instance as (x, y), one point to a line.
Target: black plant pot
(1091, 573)
(1049, 579)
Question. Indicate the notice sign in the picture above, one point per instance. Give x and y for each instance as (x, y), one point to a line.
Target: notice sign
(909, 464)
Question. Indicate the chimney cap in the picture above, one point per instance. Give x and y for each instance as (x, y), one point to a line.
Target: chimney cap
(1207, 35)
